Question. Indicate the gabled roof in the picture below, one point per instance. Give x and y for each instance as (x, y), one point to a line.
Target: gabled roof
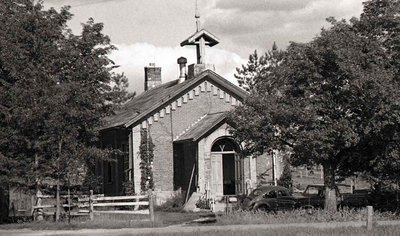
(201, 129)
(209, 38)
(149, 102)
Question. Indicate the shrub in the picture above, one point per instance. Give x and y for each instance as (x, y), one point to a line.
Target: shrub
(173, 204)
(203, 203)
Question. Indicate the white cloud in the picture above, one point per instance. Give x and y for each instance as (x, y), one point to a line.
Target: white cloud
(256, 24)
(134, 57)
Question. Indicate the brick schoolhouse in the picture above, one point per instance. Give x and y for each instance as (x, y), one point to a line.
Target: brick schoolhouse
(185, 119)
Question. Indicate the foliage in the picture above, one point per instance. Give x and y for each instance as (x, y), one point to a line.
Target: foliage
(285, 179)
(55, 90)
(333, 100)
(381, 21)
(258, 68)
(129, 189)
(173, 204)
(146, 164)
(203, 203)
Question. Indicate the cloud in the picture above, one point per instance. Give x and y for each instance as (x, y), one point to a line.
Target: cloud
(262, 5)
(134, 57)
(258, 23)
(79, 3)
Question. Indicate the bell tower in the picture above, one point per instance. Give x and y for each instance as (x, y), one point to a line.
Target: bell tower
(201, 38)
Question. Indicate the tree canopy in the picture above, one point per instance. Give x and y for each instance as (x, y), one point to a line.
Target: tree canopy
(257, 68)
(55, 89)
(333, 100)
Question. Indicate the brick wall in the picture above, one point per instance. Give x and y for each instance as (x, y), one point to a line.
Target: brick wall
(192, 108)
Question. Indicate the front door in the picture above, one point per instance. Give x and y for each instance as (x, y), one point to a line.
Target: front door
(216, 174)
(239, 174)
(226, 168)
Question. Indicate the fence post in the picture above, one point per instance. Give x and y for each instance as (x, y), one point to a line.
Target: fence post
(369, 217)
(151, 207)
(38, 204)
(91, 208)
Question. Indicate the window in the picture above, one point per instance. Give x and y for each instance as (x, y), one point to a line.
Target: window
(224, 145)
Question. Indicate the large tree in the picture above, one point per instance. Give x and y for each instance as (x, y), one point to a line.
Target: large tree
(380, 20)
(328, 100)
(55, 90)
(258, 68)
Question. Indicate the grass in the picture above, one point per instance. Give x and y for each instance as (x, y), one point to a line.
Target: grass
(301, 216)
(300, 231)
(162, 219)
(110, 221)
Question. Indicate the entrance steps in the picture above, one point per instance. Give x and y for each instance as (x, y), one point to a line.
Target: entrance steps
(224, 204)
(219, 204)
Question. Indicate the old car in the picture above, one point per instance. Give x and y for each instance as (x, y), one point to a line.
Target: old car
(264, 198)
(274, 198)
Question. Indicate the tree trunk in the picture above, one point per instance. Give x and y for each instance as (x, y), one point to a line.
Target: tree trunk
(330, 190)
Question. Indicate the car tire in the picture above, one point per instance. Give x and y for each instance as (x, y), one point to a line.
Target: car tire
(264, 208)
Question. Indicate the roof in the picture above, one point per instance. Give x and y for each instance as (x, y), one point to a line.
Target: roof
(200, 129)
(210, 38)
(150, 101)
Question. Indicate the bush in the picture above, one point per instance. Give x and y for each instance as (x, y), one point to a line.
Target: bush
(203, 203)
(173, 204)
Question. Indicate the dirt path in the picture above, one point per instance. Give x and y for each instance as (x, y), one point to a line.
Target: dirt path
(176, 229)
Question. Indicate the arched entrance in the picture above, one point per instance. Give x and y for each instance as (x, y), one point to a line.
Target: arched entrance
(227, 167)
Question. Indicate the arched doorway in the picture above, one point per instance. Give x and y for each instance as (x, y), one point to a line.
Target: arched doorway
(227, 168)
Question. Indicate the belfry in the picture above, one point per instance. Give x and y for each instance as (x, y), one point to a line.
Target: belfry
(201, 38)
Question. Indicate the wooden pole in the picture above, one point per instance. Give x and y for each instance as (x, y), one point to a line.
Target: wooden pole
(151, 207)
(274, 169)
(190, 184)
(91, 208)
(369, 217)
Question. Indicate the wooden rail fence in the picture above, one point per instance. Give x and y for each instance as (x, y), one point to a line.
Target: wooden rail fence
(91, 205)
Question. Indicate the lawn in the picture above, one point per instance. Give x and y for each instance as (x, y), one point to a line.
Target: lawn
(163, 219)
(292, 231)
(111, 221)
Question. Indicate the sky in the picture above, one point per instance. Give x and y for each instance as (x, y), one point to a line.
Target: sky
(150, 31)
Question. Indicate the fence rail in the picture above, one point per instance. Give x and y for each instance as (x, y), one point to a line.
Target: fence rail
(88, 205)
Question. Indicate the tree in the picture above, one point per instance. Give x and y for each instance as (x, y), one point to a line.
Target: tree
(55, 90)
(286, 178)
(258, 68)
(381, 20)
(328, 100)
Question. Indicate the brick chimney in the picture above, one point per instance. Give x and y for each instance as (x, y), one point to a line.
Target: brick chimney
(152, 76)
